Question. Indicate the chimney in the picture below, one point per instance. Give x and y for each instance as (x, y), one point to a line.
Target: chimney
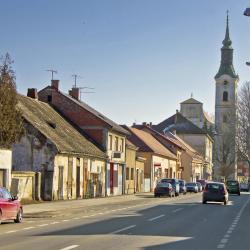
(32, 93)
(150, 124)
(144, 124)
(75, 93)
(55, 84)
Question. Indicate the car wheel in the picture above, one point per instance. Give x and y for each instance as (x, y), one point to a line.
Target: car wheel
(19, 216)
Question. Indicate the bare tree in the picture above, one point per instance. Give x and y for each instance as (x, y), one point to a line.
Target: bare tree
(243, 136)
(10, 117)
(226, 156)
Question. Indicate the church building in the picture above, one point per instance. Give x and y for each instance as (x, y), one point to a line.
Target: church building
(226, 81)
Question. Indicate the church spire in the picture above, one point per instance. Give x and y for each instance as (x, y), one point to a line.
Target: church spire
(227, 42)
(226, 64)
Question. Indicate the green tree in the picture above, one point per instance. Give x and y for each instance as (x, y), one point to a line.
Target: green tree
(11, 125)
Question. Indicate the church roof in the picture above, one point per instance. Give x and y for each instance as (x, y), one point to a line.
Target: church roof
(226, 65)
(180, 124)
(191, 101)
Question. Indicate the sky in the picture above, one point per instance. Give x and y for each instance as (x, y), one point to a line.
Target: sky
(142, 57)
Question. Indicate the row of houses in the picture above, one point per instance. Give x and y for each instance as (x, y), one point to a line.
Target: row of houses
(70, 150)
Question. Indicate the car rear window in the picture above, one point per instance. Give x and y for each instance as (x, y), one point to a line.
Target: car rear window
(214, 186)
(163, 184)
(171, 181)
(232, 183)
(191, 184)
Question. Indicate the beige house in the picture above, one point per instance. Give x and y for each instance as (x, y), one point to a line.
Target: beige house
(70, 165)
(5, 168)
(194, 136)
(134, 170)
(159, 161)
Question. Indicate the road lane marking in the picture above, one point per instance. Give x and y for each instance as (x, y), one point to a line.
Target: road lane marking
(157, 217)
(55, 222)
(65, 220)
(177, 210)
(28, 228)
(226, 237)
(43, 225)
(12, 231)
(70, 247)
(123, 229)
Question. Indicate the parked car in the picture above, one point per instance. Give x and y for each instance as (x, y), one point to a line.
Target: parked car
(183, 188)
(233, 187)
(10, 207)
(215, 191)
(164, 189)
(202, 182)
(199, 187)
(192, 187)
(175, 184)
(244, 187)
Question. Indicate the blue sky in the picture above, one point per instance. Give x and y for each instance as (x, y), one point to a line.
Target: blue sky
(143, 57)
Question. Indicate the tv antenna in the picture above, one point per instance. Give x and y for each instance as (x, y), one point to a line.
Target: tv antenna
(85, 92)
(52, 72)
(75, 76)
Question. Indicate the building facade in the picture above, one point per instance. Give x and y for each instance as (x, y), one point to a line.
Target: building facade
(102, 131)
(226, 81)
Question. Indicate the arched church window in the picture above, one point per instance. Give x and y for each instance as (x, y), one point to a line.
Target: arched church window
(225, 82)
(225, 118)
(225, 96)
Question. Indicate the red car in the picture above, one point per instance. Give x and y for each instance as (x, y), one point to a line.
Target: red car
(10, 207)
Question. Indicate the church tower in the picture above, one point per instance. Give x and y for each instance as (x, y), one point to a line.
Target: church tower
(226, 81)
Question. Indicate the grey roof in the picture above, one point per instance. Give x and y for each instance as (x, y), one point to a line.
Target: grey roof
(114, 126)
(180, 124)
(54, 127)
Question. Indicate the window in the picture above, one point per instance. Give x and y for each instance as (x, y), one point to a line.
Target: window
(122, 145)
(225, 96)
(225, 118)
(225, 82)
(49, 98)
(132, 174)
(116, 143)
(110, 142)
(127, 173)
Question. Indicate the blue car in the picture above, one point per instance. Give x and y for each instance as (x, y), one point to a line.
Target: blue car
(175, 184)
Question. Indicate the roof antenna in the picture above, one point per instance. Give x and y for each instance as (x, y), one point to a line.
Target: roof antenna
(52, 73)
(75, 76)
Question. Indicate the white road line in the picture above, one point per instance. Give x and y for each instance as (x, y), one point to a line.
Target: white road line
(43, 225)
(223, 241)
(65, 220)
(221, 246)
(123, 229)
(177, 210)
(157, 217)
(70, 247)
(55, 222)
(12, 231)
(27, 228)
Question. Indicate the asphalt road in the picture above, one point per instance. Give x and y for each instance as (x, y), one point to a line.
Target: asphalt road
(148, 223)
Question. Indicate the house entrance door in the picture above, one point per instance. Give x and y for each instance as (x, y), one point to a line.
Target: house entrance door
(78, 195)
(60, 183)
(111, 178)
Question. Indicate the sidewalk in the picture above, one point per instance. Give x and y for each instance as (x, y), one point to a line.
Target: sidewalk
(50, 207)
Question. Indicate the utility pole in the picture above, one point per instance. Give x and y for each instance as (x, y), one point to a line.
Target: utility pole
(52, 72)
